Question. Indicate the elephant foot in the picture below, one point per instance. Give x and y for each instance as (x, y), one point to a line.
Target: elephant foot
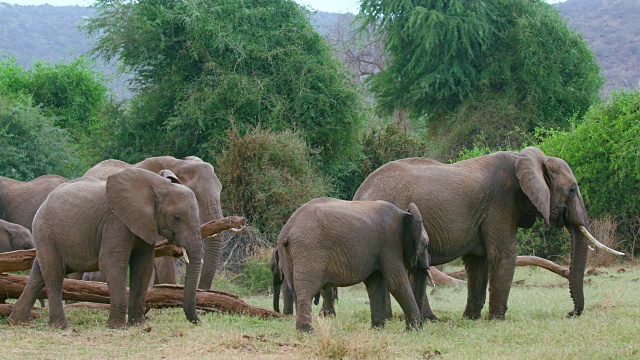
(497, 317)
(432, 318)
(574, 314)
(59, 324)
(327, 313)
(137, 322)
(116, 324)
(472, 315)
(18, 320)
(305, 328)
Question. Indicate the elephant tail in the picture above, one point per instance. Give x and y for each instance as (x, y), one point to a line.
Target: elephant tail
(286, 264)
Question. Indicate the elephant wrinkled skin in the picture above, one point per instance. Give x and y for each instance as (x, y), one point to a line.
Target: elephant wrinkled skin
(14, 237)
(19, 200)
(333, 243)
(89, 224)
(472, 209)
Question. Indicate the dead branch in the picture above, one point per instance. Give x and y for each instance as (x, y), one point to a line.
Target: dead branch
(161, 296)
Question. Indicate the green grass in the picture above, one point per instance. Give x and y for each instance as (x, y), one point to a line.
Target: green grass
(536, 329)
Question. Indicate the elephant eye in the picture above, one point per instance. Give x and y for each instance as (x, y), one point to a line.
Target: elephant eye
(177, 218)
(572, 190)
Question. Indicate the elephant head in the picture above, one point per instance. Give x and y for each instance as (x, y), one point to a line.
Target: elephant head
(415, 254)
(553, 189)
(153, 207)
(277, 278)
(200, 177)
(14, 237)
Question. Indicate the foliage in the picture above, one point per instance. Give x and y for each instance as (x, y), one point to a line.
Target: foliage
(381, 144)
(467, 64)
(30, 144)
(201, 66)
(256, 274)
(266, 176)
(604, 154)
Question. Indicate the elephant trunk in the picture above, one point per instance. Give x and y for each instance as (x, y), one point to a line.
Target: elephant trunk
(576, 271)
(212, 246)
(194, 251)
(419, 288)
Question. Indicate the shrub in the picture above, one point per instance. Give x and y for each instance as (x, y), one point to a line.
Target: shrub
(604, 154)
(31, 144)
(605, 231)
(256, 274)
(266, 176)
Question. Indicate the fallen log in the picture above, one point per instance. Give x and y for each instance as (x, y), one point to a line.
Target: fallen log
(160, 296)
(452, 278)
(543, 263)
(5, 310)
(23, 259)
(213, 227)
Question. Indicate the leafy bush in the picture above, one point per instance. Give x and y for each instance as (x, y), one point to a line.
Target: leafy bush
(256, 274)
(31, 144)
(604, 152)
(266, 176)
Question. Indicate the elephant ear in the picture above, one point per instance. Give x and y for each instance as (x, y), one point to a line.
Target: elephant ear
(168, 174)
(531, 167)
(131, 194)
(412, 236)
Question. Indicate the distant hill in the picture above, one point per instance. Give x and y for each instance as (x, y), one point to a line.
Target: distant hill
(50, 33)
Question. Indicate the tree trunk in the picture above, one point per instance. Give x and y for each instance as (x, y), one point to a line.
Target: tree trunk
(162, 296)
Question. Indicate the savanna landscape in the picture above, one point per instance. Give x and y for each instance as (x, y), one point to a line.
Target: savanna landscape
(253, 108)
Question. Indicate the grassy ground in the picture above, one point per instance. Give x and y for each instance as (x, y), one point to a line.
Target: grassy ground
(536, 329)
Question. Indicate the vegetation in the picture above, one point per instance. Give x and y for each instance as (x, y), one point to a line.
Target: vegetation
(266, 176)
(201, 68)
(456, 62)
(31, 144)
(536, 328)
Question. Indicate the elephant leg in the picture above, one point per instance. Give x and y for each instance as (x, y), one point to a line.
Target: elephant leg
(288, 300)
(305, 287)
(500, 280)
(477, 269)
(401, 290)
(328, 302)
(377, 290)
(165, 269)
(141, 265)
(21, 312)
(115, 273)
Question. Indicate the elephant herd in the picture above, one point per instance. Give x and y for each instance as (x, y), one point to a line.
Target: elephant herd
(406, 216)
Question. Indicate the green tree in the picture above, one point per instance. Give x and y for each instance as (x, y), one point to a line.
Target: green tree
(30, 144)
(603, 151)
(201, 67)
(474, 66)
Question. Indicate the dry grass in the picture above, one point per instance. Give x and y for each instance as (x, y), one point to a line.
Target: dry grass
(536, 329)
(605, 231)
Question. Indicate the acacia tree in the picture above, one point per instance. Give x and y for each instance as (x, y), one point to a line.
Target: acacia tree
(201, 67)
(457, 62)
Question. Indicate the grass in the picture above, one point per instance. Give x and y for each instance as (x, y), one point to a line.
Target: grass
(536, 329)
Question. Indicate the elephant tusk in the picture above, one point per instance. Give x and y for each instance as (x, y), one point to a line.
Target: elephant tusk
(239, 230)
(596, 242)
(186, 257)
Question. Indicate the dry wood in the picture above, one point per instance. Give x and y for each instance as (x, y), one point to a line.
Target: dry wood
(452, 278)
(23, 259)
(5, 310)
(162, 296)
(214, 227)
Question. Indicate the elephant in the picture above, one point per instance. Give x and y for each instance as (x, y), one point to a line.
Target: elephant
(20, 200)
(14, 237)
(473, 208)
(90, 224)
(329, 295)
(200, 177)
(333, 243)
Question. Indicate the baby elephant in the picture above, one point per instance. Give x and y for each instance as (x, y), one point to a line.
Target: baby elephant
(14, 237)
(329, 242)
(329, 295)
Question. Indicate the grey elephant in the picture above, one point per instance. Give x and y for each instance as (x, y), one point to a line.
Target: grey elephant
(472, 209)
(19, 200)
(14, 237)
(329, 295)
(89, 224)
(200, 177)
(334, 243)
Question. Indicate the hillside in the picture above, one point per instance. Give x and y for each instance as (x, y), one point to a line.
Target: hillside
(30, 33)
